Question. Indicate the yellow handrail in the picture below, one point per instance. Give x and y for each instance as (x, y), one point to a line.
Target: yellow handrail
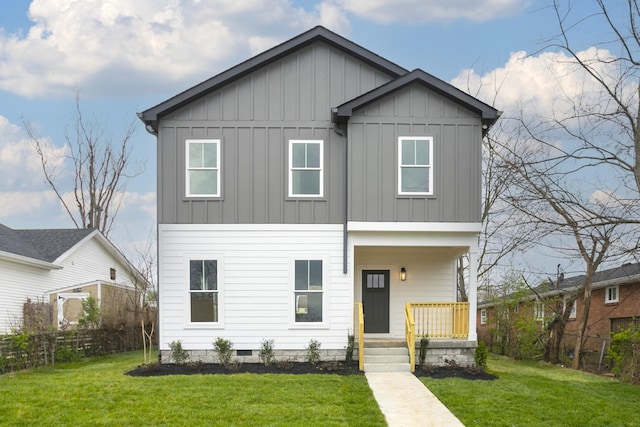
(410, 335)
(441, 320)
(360, 328)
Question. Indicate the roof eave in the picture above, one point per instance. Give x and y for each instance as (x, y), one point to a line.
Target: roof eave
(28, 261)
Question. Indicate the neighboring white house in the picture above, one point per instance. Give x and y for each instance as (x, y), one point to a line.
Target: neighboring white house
(62, 266)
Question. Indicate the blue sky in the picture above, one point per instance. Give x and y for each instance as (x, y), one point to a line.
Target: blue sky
(124, 57)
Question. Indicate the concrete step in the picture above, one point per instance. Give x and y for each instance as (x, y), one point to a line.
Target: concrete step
(386, 367)
(386, 359)
(377, 351)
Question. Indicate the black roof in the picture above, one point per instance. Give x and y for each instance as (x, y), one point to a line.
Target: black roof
(44, 245)
(150, 117)
(571, 284)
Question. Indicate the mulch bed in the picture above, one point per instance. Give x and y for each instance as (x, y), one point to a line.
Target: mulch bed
(336, 368)
(454, 372)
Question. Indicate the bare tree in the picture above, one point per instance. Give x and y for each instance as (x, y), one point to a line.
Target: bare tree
(101, 169)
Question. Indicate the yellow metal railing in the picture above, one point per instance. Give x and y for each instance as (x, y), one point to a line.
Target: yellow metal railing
(410, 335)
(440, 320)
(360, 330)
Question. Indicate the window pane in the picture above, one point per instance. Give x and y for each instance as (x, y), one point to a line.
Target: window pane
(408, 152)
(210, 155)
(422, 152)
(302, 275)
(306, 182)
(195, 155)
(298, 156)
(313, 308)
(415, 180)
(203, 182)
(210, 275)
(315, 274)
(195, 275)
(204, 306)
(313, 155)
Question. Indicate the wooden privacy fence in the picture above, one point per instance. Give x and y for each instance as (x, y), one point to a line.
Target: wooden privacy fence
(26, 350)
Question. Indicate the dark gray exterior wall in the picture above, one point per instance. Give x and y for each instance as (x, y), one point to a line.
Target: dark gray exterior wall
(373, 152)
(255, 116)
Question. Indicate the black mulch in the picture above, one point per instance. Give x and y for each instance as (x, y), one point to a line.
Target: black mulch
(337, 368)
(454, 372)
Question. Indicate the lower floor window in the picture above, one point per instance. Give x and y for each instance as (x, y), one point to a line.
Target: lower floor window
(203, 290)
(308, 290)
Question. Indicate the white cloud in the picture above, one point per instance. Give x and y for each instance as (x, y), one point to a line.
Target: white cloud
(20, 166)
(120, 44)
(546, 85)
(420, 11)
(28, 204)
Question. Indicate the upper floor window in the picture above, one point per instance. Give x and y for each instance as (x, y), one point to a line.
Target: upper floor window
(305, 168)
(611, 294)
(415, 169)
(203, 290)
(203, 168)
(308, 293)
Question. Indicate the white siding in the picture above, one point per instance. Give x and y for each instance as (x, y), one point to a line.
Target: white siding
(256, 285)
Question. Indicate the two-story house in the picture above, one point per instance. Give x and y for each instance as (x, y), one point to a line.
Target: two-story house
(310, 186)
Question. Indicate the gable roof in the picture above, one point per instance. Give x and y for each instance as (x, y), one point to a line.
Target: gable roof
(150, 117)
(46, 247)
(488, 114)
(623, 275)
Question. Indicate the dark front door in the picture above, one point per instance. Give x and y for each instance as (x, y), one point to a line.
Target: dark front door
(375, 300)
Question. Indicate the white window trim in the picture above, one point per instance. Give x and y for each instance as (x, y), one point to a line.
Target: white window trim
(321, 168)
(483, 316)
(217, 168)
(292, 290)
(429, 166)
(606, 294)
(573, 313)
(187, 258)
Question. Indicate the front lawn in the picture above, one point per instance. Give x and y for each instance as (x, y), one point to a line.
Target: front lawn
(533, 394)
(96, 392)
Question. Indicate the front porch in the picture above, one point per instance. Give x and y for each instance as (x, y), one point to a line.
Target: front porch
(446, 326)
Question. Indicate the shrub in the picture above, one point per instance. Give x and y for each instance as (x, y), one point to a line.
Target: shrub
(313, 352)
(224, 351)
(624, 351)
(90, 314)
(179, 355)
(351, 341)
(480, 355)
(424, 344)
(266, 353)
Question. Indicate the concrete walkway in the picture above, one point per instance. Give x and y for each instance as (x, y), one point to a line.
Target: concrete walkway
(406, 402)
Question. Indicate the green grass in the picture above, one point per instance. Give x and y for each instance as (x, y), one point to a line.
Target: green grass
(532, 394)
(96, 392)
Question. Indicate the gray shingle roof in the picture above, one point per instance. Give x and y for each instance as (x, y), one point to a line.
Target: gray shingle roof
(44, 245)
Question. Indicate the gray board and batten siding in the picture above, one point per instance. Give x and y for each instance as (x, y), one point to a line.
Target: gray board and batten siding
(373, 152)
(301, 90)
(255, 117)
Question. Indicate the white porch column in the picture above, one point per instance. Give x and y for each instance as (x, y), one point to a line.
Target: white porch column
(473, 291)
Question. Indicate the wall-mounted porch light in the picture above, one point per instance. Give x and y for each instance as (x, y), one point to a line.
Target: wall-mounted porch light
(403, 274)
